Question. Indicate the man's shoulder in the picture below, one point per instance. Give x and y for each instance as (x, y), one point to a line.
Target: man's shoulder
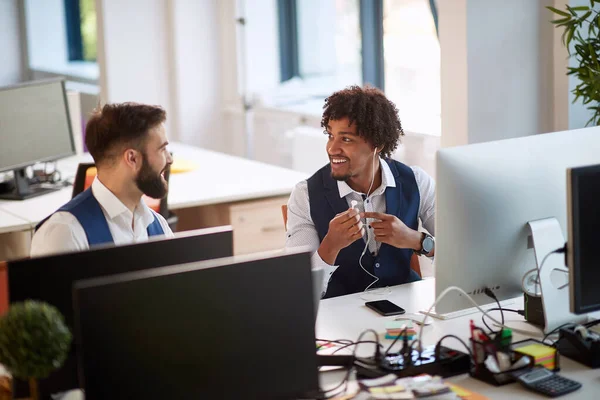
(163, 222)
(319, 173)
(61, 218)
(62, 232)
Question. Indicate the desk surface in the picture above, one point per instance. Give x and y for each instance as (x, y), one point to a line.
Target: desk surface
(218, 178)
(346, 317)
(12, 223)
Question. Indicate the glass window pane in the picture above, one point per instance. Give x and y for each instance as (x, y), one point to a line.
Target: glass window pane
(329, 44)
(87, 11)
(412, 64)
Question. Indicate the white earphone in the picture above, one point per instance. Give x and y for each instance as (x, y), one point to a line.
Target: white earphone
(354, 202)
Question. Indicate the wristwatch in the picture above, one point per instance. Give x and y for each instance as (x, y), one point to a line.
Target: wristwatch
(427, 244)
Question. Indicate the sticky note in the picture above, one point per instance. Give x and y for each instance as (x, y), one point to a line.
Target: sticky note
(536, 350)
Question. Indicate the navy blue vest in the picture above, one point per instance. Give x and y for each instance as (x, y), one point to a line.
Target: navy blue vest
(393, 264)
(88, 212)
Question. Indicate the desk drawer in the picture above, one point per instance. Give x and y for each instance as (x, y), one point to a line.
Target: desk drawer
(258, 225)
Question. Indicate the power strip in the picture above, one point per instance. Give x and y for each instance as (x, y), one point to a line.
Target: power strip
(450, 363)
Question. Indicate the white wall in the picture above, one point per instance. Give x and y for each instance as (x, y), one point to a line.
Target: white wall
(508, 87)
(46, 33)
(134, 64)
(196, 92)
(165, 52)
(11, 68)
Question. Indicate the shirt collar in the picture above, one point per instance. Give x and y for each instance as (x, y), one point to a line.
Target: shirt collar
(387, 180)
(115, 207)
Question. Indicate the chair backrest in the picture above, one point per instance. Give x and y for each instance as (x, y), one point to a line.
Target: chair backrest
(415, 265)
(86, 172)
(284, 214)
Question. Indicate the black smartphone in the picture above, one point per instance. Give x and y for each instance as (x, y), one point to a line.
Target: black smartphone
(385, 307)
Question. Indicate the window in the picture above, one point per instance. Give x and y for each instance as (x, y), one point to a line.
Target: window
(61, 39)
(412, 63)
(81, 29)
(391, 44)
(320, 43)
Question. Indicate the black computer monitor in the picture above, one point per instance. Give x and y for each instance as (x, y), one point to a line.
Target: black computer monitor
(34, 127)
(583, 257)
(239, 328)
(51, 278)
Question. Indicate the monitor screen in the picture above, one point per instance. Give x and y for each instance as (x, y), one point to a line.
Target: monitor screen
(486, 194)
(222, 329)
(584, 235)
(51, 278)
(34, 124)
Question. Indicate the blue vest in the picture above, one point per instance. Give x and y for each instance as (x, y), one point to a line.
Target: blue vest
(88, 212)
(393, 264)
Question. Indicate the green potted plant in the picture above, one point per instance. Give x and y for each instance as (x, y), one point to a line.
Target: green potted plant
(34, 341)
(581, 26)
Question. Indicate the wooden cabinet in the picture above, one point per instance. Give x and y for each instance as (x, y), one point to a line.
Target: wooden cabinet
(257, 224)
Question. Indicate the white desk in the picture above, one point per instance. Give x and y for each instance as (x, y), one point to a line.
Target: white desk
(222, 190)
(15, 236)
(12, 223)
(346, 317)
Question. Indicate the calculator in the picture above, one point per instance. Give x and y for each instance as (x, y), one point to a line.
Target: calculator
(546, 382)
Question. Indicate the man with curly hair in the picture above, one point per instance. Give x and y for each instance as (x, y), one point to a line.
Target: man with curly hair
(360, 213)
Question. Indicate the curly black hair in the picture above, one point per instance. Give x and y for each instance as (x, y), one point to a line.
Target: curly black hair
(375, 116)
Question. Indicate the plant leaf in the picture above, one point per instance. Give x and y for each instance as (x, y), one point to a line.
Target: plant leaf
(570, 37)
(559, 12)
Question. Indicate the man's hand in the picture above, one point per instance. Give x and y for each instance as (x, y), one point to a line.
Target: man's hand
(389, 229)
(344, 229)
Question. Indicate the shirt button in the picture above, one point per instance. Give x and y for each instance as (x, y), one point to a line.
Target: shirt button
(376, 265)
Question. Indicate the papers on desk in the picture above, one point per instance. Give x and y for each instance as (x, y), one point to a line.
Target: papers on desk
(400, 328)
(422, 386)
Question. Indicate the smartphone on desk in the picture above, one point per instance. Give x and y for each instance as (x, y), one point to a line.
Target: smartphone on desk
(385, 307)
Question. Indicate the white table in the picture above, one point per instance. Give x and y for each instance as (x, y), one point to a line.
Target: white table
(346, 317)
(222, 190)
(15, 236)
(12, 223)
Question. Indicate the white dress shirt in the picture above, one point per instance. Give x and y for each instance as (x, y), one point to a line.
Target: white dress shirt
(63, 233)
(301, 230)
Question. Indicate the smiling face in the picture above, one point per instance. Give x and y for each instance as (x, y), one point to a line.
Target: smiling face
(350, 155)
(150, 179)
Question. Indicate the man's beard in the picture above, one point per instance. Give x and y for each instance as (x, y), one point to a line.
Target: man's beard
(343, 178)
(149, 181)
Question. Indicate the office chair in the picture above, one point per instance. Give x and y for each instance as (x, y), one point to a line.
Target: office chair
(414, 259)
(86, 172)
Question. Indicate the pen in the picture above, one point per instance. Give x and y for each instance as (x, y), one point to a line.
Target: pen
(473, 344)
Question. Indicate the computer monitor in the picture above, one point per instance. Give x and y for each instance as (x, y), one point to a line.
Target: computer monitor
(236, 328)
(50, 279)
(584, 237)
(486, 195)
(34, 127)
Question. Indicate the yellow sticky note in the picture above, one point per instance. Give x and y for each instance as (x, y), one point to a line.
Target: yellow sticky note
(181, 165)
(536, 350)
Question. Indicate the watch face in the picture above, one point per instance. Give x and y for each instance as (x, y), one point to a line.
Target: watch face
(427, 244)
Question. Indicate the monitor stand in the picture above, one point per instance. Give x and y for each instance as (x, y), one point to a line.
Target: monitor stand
(23, 190)
(547, 237)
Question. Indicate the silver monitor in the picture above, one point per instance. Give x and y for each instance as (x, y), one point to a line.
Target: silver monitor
(486, 195)
(34, 127)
